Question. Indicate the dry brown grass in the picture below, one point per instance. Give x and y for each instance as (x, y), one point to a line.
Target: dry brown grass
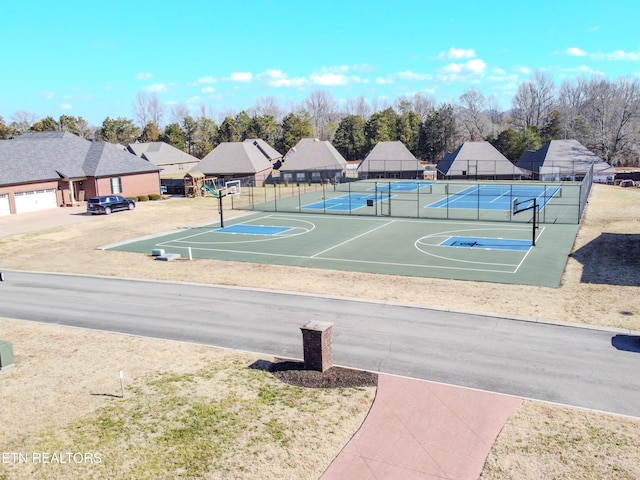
(188, 411)
(600, 286)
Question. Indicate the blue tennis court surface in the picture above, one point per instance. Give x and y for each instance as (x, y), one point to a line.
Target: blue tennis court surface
(487, 243)
(345, 203)
(401, 186)
(253, 229)
(496, 197)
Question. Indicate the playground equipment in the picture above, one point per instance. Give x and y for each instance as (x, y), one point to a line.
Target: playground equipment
(193, 184)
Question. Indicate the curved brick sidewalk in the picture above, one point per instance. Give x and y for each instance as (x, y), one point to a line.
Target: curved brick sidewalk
(424, 430)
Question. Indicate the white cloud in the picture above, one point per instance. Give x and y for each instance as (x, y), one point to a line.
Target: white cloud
(241, 77)
(144, 76)
(622, 55)
(576, 52)
(207, 80)
(328, 79)
(412, 76)
(470, 67)
(66, 106)
(617, 55)
(47, 94)
(580, 70)
(457, 54)
(156, 87)
(208, 90)
(278, 79)
(383, 81)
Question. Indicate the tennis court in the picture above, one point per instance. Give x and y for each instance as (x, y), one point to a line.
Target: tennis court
(479, 251)
(497, 197)
(557, 202)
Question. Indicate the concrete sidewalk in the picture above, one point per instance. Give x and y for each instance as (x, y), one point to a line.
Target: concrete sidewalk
(424, 430)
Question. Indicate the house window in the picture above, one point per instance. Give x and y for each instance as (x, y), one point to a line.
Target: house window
(300, 176)
(116, 185)
(464, 173)
(315, 177)
(287, 176)
(180, 166)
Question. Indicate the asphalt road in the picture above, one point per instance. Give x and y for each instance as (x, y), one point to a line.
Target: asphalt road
(591, 368)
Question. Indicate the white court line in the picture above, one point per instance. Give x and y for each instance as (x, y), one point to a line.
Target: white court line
(352, 239)
(345, 260)
(529, 251)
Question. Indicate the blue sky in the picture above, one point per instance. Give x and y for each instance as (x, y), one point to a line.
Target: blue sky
(90, 59)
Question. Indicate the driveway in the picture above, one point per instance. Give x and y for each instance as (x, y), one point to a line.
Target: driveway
(34, 221)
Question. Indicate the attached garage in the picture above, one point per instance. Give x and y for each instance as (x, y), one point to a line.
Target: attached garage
(34, 200)
(45, 170)
(5, 208)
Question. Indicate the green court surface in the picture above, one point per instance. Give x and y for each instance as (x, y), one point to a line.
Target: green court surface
(464, 250)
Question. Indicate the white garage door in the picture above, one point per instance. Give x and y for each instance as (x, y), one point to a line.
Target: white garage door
(36, 200)
(4, 205)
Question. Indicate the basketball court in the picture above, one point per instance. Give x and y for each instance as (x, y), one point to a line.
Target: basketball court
(465, 250)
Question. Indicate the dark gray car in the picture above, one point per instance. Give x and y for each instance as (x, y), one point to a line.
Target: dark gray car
(109, 203)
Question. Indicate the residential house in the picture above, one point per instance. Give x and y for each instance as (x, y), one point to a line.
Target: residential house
(41, 170)
(251, 160)
(172, 160)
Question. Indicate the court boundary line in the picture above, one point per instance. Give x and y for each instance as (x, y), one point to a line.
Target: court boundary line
(345, 260)
(316, 256)
(353, 238)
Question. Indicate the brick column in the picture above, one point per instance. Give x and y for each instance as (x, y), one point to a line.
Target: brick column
(316, 342)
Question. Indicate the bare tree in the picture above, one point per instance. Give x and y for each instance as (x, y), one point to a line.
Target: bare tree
(147, 109)
(495, 114)
(423, 105)
(323, 109)
(472, 114)
(533, 101)
(572, 97)
(402, 104)
(22, 120)
(179, 112)
(357, 106)
(268, 106)
(613, 111)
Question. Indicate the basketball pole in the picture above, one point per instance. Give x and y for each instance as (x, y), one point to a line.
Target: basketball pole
(535, 211)
(221, 210)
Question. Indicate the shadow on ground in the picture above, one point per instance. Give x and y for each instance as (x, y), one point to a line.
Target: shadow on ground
(612, 259)
(628, 343)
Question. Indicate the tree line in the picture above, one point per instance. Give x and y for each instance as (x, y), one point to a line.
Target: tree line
(602, 114)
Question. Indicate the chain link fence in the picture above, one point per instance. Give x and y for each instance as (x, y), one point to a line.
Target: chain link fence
(559, 202)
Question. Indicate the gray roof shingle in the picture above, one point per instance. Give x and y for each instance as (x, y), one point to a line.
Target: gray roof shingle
(390, 156)
(42, 156)
(566, 156)
(231, 158)
(313, 154)
(161, 153)
(482, 156)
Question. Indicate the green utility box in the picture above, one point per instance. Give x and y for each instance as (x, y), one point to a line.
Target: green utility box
(6, 354)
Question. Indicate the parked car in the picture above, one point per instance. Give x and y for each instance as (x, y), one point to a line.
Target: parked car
(109, 203)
